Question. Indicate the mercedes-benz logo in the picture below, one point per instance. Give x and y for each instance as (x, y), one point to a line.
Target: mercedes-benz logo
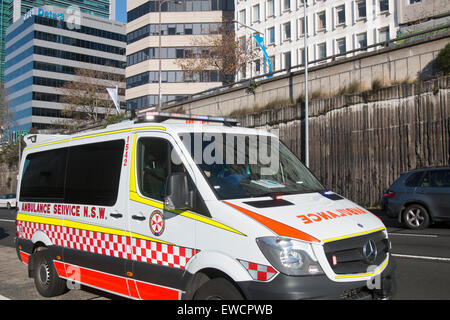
(370, 251)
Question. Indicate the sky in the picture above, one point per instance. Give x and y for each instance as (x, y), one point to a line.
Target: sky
(121, 10)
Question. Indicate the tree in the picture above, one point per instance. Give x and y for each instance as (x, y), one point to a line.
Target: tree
(443, 59)
(6, 118)
(86, 99)
(222, 52)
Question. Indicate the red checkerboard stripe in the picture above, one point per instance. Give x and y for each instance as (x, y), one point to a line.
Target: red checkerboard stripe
(160, 253)
(258, 271)
(110, 244)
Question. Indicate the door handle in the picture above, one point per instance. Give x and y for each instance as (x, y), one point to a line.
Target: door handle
(136, 217)
(116, 215)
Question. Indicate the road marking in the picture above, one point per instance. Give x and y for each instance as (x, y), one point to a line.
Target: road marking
(6, 220)
(420, 257)
(414, 235)
(4, 298)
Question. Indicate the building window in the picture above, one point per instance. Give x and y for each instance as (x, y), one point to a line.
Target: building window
(287, 4)
(384, 34)
(322, 50)
(242, 17)
(301, 56)
(340, 46)
(340, 15)
(272, 62)
(321, 21)
(257, 66)
(243, 71)
(256, 13)
(270, 8)
(362, 40)
(243, 43)
(287, 31)
(413, 1)
(301, 26)
(384, 5)
(287, 60)
(361, 9)
(271, 32)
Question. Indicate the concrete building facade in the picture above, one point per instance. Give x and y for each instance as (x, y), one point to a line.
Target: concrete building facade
(333, 27)
(183, 24)
(43, 52)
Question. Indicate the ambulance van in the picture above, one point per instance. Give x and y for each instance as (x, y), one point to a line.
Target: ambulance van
(173, 206)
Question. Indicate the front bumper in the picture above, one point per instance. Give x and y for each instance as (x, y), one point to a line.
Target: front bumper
(284, 287)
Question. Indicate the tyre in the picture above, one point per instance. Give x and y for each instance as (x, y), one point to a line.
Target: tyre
(218, 289)
(416, 217)
(46, 280)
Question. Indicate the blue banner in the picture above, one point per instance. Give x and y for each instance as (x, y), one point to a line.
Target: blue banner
(260, 41)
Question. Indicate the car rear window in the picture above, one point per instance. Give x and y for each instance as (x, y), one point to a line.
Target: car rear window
(414, 179)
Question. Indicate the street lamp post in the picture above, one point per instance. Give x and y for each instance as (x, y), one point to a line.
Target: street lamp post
(306, 87)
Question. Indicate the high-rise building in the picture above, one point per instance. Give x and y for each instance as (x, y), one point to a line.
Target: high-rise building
(332, 27)
(13, 10)
(183, 24)
(45, 50)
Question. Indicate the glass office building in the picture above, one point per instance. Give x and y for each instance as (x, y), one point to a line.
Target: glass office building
(13, 10)
(43, 53)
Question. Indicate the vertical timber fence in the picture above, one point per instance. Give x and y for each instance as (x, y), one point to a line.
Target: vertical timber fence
(360, 143)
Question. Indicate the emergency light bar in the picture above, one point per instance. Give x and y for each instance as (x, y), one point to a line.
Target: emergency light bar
(155, 116)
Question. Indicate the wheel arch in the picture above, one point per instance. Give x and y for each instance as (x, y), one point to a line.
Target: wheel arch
(408, 203)
(211, 265)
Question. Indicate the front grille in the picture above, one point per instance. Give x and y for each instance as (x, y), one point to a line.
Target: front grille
(346, 256)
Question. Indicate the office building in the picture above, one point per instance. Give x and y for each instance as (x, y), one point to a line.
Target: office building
(44, 51)
(13, 10)
(333, 27)
(183, 24)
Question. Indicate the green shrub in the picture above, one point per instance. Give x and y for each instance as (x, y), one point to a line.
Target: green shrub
(377, 84)
(443, 59)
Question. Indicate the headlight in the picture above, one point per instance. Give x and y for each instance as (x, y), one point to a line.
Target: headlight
(291, 257)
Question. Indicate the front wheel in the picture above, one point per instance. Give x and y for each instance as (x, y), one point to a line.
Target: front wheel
(218, 289)
(46, 280)
(416, 217)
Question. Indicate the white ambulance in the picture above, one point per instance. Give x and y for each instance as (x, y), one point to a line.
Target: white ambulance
(175, 206)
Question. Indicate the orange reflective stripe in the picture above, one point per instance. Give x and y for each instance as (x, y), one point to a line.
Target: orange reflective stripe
(60, 269)
(279, 228)
(132, 288)
(24, 257)
(148, 291)
(116, 284)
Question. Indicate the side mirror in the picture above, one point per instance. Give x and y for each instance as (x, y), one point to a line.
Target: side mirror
(178, 196)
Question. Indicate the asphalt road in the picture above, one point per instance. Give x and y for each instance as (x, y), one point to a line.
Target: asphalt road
(423, 264)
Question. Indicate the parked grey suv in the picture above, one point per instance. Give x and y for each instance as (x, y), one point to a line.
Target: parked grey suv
(419, 197)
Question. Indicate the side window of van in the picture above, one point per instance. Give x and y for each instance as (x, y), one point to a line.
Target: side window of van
(84, 174)
(93, 173)
(43, 176)
(155, 165)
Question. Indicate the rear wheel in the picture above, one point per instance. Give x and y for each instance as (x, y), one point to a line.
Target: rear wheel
(218, 289)
(416, 217)
(46, 280)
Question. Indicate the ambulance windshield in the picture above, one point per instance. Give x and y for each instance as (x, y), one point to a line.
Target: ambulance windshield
(244, 166)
